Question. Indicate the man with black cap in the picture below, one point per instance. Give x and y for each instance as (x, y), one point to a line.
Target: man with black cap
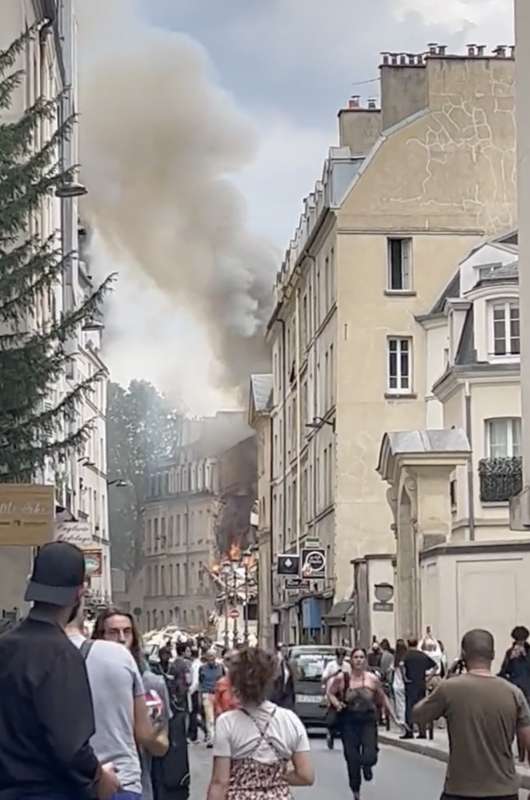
(46, 713)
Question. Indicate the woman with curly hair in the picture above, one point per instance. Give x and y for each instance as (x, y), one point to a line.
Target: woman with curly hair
(260, 749)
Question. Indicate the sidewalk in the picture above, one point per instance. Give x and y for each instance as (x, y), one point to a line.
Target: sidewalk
(438, 749)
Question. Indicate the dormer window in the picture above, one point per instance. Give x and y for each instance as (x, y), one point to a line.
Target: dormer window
(505, 334)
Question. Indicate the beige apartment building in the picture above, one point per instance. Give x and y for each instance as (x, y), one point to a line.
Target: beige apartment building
(451, 483)
(522, 33)
(197, 507)
(260, 399)
(410, 189)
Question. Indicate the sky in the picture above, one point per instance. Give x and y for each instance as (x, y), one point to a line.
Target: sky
(266, 79)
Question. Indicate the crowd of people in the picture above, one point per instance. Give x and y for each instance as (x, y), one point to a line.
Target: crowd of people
(89, 717)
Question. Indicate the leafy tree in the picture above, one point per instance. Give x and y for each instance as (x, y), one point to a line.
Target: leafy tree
(34, 353)
(142, 430)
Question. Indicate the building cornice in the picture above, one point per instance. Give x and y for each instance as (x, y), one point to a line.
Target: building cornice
(474, 373)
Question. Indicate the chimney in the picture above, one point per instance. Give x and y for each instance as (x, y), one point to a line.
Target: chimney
(433, 48)
(442, 49)
(354, 102)
(481, 49)
(500, 51)
(372, 104)
(472, 50)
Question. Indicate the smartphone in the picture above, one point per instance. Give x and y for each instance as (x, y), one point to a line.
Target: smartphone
(154, 704)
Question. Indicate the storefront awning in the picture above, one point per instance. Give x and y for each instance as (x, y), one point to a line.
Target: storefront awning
(340, 614)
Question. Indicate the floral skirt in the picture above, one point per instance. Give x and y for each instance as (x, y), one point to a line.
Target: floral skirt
(252, 780)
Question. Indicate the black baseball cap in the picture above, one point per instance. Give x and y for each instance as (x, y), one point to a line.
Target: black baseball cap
(58, 574)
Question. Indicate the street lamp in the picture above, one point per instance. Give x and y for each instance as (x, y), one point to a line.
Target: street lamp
(246, 560)
(225, 571)
(69, 188)
(319, 421)
(119, 483)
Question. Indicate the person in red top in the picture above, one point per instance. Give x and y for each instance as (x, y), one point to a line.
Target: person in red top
(225, 699)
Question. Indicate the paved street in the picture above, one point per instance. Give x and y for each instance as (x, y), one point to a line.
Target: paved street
(399, 776)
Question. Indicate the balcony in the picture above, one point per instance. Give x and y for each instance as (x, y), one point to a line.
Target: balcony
(500, 479)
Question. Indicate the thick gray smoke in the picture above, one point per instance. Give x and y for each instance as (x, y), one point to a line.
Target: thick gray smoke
(159, 141)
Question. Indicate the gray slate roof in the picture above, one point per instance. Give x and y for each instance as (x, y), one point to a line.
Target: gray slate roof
(261, 389)
(451, 290)
(448, 440)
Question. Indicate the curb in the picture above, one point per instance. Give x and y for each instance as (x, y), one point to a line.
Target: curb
(437, 753)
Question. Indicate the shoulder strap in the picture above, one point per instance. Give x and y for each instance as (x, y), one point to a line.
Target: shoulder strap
(262, 731)
(86, 647)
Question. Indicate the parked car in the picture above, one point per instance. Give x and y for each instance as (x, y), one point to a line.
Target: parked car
(308, 663)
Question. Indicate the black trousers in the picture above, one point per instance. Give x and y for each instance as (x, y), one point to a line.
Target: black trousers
(359, 742)
(413, 695)
(195, 719)
(460, 797)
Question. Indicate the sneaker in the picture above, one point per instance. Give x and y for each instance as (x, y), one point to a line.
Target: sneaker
(368, 774)
(407, 735)
(209, 745)
(330, 741)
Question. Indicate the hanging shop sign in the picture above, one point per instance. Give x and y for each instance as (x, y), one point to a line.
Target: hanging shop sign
(94, 563)
(289, 564)
(27, 514)
(314, 562)
(78, 533)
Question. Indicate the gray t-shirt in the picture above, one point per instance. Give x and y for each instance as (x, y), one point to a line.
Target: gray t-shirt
(155, 683)
(115, 682)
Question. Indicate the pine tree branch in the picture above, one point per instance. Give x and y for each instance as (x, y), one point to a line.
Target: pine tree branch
(30, 459)
(23, 292)
(8, 57)
(49, 421)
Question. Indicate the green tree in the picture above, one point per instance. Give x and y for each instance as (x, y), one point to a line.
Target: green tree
(34, 354)
(142, 431)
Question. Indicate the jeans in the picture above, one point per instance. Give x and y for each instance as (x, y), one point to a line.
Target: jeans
(127, 796)
(359, 742)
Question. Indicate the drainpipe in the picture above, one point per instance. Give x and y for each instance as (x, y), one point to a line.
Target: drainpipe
(284, 454)
(272, 630)
(298, 422)
(470, 472)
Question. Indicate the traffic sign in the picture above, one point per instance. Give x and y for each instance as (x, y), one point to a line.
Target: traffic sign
(314, 562)
(288, 564)
(233, 613)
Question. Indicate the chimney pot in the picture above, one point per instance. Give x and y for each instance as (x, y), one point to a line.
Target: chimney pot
(512, 51)
(402, 59)
(394, 58)
(354, 101)
(433, 48)
(481, 49)
(386, 57)
(471, 50)
(500, 51)
(442, 49)
(372, 104)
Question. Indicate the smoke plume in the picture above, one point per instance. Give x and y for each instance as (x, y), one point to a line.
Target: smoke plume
(159, 143)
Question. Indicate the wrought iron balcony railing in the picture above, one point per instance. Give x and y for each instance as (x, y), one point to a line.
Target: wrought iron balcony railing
(500, 479)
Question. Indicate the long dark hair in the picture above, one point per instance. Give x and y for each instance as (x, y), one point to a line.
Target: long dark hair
(401, 649)
(113, 611)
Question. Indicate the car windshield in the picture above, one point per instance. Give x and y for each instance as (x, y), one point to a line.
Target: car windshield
(310, 666)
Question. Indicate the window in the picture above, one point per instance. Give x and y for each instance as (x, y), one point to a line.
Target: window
(505, 324)
(399, 365)
(399, 265)
(177, 532)
(503, 438)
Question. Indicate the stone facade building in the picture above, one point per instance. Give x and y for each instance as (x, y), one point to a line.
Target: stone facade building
(197, 507)
(410, 189)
